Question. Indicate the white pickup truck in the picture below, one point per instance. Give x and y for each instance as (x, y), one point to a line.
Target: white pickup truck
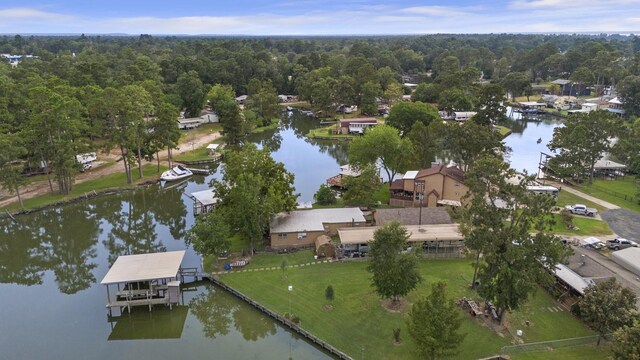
(579, 209)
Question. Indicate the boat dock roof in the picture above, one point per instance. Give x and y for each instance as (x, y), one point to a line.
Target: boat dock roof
(205, 197)
(144, 267)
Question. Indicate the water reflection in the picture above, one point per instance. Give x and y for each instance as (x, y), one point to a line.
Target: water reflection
(217, 310)
(162, 323)
(22, 258)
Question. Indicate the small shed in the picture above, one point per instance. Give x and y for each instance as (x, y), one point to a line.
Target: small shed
(203, 201)
(325, 247)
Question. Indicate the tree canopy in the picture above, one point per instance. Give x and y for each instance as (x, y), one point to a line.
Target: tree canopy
(434, 323)
(403, 115)
(381, 143)
(394, 272)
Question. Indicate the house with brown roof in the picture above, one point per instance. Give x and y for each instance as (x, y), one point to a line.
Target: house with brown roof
(437, 186)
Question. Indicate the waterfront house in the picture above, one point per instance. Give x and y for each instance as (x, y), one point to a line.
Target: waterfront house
(436, 186)
(302, 227)
(345, 171)
(615, 106)
(355, 125)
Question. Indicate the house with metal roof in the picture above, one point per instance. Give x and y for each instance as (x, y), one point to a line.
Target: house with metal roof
(302, 227)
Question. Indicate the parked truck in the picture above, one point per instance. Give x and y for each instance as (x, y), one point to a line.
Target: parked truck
(620, 243)
(579, 209)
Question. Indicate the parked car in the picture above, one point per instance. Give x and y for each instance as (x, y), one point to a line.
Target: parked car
(579, 209)
(620, 243)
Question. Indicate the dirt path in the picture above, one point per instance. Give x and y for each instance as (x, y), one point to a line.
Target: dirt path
(42, 187)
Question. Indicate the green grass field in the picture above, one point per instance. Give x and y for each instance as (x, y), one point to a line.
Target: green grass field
(585, 225)
(615, 191)
(325, 132)
(187, 136)
(117, 180)
(567, 198)
(358, 319)
(579, 352)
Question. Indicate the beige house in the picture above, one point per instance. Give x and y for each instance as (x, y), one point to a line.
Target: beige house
(439, 186)
(302, 227)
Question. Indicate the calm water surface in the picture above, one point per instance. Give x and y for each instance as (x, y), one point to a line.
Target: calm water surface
(51, 263)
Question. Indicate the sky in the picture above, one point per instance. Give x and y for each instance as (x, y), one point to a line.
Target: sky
(324, 17)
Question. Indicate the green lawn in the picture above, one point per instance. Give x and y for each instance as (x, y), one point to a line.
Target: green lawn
(585, 225)
(326, 132)
(578, 352)
(187, 136)
(358, 320)
(567, 198)
(503, 130)
(615, 191)
(107, 182)
(201, 153)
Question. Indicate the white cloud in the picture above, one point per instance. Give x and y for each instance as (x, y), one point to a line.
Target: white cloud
(27, 14)
(436, 11)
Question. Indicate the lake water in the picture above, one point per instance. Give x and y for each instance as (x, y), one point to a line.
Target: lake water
(51, 263)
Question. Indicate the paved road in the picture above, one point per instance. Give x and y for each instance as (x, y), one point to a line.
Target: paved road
(623, 222)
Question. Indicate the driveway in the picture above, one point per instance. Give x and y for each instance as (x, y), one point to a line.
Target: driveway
(623, 222)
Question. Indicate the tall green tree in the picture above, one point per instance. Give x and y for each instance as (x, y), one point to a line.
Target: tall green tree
(11, 178)
(368, 98)
(264, 101)
(55, 128)
(360, 189)
(253, 189)
(210, 234)
(583, 140)
(426, 141)
(233, 122)
(138, 108)
(516, 83)
(120, 129)
(629, 90)
(192, 92)
(465, 143)
(394, 272)
(166, 133)
(607, 306)
(404, 115)
(455, 99)
(626, 342)
(490, 106)
(511, 228)
(381, 143)
(434, 324)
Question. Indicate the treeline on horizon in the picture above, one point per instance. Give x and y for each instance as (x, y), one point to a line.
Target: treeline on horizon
(84, 93)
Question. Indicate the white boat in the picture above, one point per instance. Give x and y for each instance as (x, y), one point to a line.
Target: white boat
(176, 173)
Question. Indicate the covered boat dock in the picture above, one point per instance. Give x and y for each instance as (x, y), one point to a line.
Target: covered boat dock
(203, 201)
(144, 280)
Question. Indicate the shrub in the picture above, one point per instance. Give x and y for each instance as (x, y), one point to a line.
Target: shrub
(328, 293)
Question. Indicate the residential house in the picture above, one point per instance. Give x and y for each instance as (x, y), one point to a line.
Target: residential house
(615, 106)
(412, 216)
(457, 115)
(302, 227)
(442, 186)
(569, 88)
(345, 171)
(355, 125)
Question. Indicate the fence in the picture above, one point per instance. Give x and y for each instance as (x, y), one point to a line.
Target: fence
(550, 345)
(624, 197)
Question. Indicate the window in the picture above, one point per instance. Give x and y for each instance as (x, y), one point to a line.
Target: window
(282, 236)
(456, 184)
(302, 236)
(457, 193)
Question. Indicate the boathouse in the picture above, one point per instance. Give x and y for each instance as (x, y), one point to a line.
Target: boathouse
(144, 280)
(203, 201)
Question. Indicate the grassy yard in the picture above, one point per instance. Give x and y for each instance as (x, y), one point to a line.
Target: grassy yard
(358, 321)
(187, 136)
(615, 191)
(578, 352)
(567, 198)
(201, 153)
(585, 225)
(503, 130)
(107, 182)
(327, 131)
